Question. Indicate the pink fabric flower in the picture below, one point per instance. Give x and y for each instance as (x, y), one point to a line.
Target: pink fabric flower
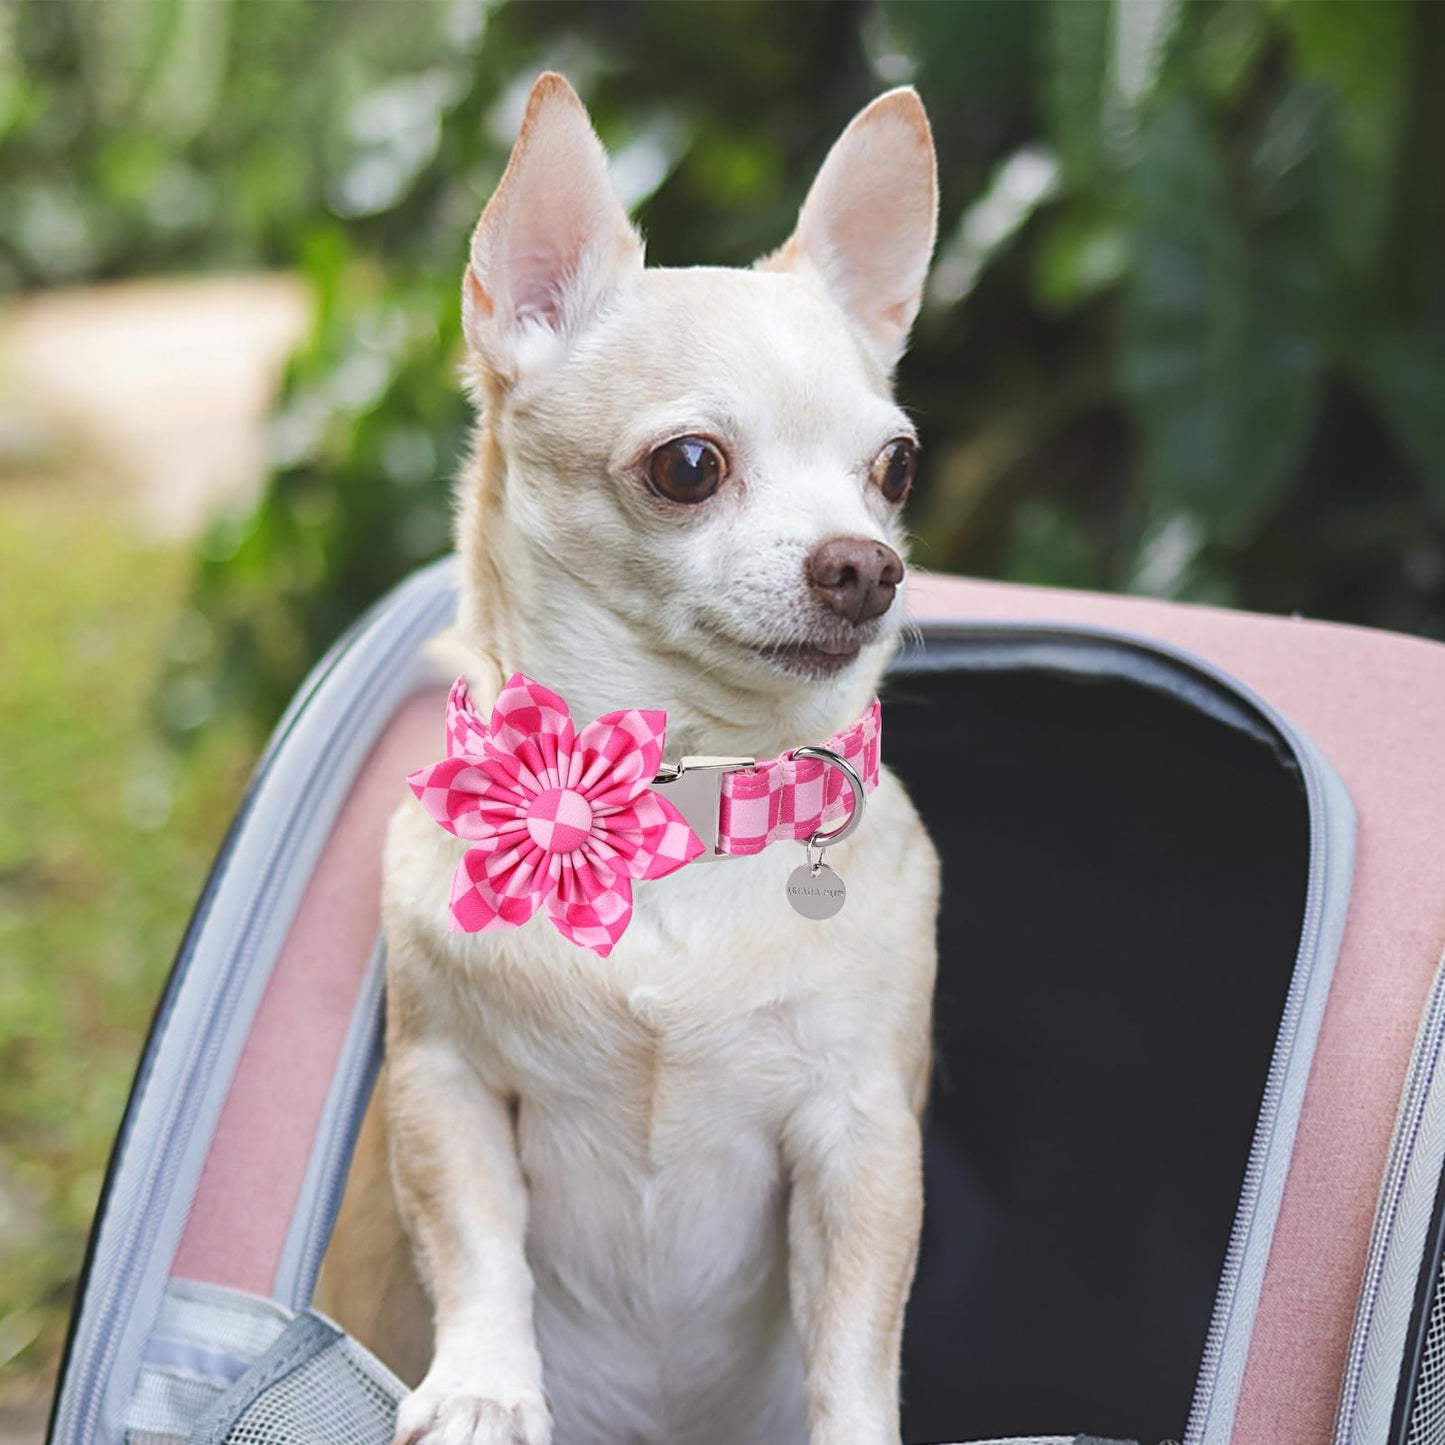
(558, 818)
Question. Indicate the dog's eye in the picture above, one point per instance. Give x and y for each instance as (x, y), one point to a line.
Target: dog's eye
(689, 469)
(893, 469)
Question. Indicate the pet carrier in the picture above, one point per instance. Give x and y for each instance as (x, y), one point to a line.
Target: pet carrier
(1186, 1138)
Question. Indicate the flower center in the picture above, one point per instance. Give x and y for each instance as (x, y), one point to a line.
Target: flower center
(559, 820)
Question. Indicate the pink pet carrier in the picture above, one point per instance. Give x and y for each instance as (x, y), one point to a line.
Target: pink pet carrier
(1187, 1131)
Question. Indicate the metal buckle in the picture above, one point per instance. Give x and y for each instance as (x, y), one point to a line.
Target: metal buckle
(821, 840)
(694, 788)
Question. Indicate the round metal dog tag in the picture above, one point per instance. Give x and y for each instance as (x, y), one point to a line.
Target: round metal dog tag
(816, 891)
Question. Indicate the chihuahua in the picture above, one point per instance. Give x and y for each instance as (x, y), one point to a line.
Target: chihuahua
(673, 1194)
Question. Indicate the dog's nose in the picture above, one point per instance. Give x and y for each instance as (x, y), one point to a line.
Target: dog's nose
(855, 577)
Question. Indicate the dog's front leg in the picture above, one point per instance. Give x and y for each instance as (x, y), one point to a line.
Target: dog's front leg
(853, 1224)
(461, 1193)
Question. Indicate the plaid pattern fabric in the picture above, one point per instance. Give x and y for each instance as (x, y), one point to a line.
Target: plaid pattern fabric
(791, 799)
(560, 819)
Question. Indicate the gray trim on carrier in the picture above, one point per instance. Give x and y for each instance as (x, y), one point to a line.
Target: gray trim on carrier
(1401, 1311)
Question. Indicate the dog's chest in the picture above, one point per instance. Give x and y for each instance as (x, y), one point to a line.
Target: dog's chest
(685, 1042)
(651, 1091)
(645, 1122)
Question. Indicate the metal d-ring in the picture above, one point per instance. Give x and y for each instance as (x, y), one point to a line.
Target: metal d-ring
(821, 840)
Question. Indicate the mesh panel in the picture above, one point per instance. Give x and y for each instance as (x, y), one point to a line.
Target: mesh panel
(205, 1339)
(336, 1398)
(1427, 1410)
(164, 1407)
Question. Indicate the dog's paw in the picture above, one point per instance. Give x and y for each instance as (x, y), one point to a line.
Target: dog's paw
(457, 1417)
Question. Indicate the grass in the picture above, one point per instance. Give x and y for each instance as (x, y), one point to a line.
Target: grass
(106, 834)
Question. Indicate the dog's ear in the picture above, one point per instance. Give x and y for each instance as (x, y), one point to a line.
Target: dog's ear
(867, 228)
(553, 242)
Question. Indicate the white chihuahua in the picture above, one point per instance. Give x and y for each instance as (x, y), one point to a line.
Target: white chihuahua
(672, 1195)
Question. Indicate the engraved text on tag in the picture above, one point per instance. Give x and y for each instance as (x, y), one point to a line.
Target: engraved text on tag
(816, 891)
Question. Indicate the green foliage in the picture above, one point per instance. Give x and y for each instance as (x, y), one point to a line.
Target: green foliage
(145, 136)
(1212, 355)
(1188, 311)
(1222, 362)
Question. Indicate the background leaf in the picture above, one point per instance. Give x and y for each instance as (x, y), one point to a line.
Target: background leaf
(1075, 76)
(1223, 348)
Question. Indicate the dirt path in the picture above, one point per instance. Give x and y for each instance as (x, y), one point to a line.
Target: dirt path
(159, 387)
(22, 1426)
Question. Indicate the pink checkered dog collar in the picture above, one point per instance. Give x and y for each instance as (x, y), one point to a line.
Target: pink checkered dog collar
(565, 820)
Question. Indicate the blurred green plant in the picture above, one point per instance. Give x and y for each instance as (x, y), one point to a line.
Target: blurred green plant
(1185, 334)
(1204, 360)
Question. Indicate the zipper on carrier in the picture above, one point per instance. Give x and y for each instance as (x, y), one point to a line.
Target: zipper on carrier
(1424, 1068)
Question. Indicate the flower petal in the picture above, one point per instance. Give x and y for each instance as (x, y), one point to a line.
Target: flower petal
(531, 725)
(590, 907)
(620, 755)
(651, 838)
(487, 897)
(466, 732)
(465, 795)
(486, 789)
